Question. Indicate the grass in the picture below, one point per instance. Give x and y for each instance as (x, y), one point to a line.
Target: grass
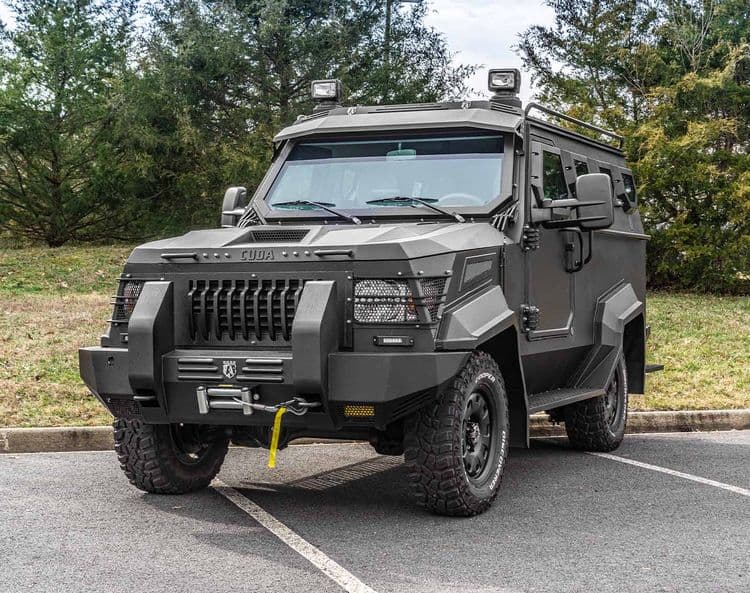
(65, 270)
(57, 300)
(703, 342)
(39, 338)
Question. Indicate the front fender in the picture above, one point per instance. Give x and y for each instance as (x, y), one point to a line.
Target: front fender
(474, 323)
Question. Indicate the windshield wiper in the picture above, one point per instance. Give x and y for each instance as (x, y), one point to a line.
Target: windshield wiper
(426, 202)
(320, 205)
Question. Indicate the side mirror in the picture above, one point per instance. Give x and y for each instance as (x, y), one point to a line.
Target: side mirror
(233, 207)
(596, 209)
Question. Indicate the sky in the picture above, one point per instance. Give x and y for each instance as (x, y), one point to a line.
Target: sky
(481, 32)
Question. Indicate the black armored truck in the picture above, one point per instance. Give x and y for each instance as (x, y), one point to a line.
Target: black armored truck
(425, 277)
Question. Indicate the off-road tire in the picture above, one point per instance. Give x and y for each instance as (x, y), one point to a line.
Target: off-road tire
(153, 463)
(434, 441)
(589, 424)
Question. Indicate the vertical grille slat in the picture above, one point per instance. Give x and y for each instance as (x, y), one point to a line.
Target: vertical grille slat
(191, 298)
(256, 311)
(217, 308)
(203, 314)
(282, 298)
(262, 310)
(243, 312)
(230, 312)
(269, 303)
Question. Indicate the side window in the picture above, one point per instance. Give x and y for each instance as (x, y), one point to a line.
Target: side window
(582, 168)
(553, 180)
(629, 183)
(608, 173)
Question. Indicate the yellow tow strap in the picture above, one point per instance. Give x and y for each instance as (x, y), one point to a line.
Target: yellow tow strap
(275, 437)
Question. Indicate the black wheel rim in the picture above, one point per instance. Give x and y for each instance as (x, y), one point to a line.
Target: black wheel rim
(613, 409)
(188, 443)
(477, 445)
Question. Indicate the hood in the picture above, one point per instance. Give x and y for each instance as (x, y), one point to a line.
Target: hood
(269, 243)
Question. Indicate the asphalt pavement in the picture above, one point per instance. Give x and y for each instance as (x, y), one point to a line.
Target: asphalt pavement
(339, 518)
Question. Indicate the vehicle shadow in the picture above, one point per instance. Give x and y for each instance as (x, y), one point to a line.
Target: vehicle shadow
(378, 485)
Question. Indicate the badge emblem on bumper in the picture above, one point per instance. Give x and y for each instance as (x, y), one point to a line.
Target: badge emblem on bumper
(229, 369)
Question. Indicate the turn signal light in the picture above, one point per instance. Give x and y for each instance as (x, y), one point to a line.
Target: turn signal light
(359, 411)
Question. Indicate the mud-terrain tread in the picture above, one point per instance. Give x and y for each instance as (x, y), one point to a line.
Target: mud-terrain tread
(432, 462)
(586, 425)
(148, 461)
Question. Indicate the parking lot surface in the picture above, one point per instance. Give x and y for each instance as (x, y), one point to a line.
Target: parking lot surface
(339, 517)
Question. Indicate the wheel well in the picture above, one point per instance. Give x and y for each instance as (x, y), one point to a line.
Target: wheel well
(634, 348)
(504, 349)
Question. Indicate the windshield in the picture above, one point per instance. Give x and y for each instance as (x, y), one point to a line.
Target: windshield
(365, 174)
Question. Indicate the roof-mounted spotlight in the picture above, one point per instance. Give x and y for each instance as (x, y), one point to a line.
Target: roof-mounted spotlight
(505, 81)
(326, 91)
(506, 84)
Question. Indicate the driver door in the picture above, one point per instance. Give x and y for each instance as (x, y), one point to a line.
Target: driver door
(550, 287)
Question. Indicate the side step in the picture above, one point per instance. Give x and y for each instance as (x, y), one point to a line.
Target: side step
(653, 368)
(549, 400)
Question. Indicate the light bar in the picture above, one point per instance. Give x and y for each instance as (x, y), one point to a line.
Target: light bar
(326, 90)
(505, 81)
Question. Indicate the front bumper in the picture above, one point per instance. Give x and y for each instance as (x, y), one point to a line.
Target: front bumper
(154, 379)
(395, 384)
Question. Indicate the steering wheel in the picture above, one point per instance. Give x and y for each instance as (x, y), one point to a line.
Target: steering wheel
(464, 199)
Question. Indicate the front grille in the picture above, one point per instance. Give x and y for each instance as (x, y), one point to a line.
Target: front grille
(255, 309)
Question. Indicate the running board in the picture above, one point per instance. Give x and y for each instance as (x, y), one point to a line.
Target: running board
(549, 400)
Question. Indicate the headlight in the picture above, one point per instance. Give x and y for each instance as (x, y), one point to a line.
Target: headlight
(384, 301)
(126, 299)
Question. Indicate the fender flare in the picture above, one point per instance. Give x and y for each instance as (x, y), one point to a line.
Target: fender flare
(468, 326)
(614, 310)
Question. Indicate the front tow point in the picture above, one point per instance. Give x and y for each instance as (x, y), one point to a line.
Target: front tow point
(275, 437)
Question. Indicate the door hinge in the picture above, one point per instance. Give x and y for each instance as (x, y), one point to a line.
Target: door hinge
(530, 238)
(529, 317)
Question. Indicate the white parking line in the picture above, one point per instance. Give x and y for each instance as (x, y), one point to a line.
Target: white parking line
(316, 557)
(671, 472)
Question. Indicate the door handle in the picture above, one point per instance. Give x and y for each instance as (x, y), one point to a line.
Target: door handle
(574, 264)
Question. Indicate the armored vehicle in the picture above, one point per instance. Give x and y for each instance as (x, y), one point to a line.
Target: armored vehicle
(425, 277)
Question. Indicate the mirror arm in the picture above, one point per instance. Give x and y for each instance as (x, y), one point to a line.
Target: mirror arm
(591, 247)
(559, 224)
(570, 203)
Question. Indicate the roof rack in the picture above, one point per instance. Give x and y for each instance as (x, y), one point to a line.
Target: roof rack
(536, 106)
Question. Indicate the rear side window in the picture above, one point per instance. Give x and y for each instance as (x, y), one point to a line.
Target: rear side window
(553, 181)
(629, 183)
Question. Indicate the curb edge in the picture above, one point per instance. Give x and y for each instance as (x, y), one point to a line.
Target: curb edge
(99, 438)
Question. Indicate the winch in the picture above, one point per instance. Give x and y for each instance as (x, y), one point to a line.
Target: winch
(232, 398)
(242, 398)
